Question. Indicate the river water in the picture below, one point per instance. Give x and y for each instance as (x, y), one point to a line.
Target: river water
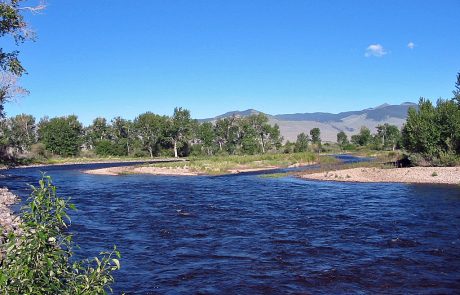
(245, 234)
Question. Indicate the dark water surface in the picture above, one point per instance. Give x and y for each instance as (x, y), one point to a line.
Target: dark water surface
(245, 234)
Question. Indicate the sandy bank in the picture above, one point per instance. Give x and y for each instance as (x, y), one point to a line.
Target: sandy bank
(178, 171)
(142, 170)
(441, 175)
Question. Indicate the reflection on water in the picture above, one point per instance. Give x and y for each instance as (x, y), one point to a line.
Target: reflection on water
(246, 234)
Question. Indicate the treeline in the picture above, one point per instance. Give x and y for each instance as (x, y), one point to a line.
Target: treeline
(148, 134)
(386, 137)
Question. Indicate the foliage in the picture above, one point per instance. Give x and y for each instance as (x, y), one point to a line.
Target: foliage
(61, 135)
(456, 92)
(12, 24)
(431, 130)
(301, 145)
(389, 136)
(315, 134)
(109, 148)
(342, 139)
(149, 129)
(179, 128)
(363, 138)
(39, 260)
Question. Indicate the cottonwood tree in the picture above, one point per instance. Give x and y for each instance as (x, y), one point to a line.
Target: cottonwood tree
(342, 138)
(315, 134)
(22, 132)
(363, 138)
(389, 135)
(180, 128)
(12, 24)
(301, 145)
(61, 135)
(207, 136)
(149, 128)
(123, 132)
(456, 92)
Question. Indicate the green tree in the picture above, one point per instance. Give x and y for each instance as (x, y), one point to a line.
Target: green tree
(150, 129)
(342, 138)
(13, 24)
(227, 134)
(301, 145)
(207, 136)
(274, 139)
(456, 92)
(315, 134)
(448, 122)
(22, 132)
(388, 135)
(363, 138)
(180, 128)
(122, 133)
(61, 135)
(259, 124)
(420, 133)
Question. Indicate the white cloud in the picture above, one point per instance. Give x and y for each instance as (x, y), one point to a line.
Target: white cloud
(375, 50)
(411, 45)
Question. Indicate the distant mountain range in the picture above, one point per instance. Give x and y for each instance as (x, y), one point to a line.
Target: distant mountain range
(330, 124)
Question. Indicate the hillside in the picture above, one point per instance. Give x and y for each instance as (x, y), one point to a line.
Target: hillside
(330, 124)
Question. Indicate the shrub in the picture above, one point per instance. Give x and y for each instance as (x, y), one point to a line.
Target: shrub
(38, 259)
(39, 150)
(449, 159)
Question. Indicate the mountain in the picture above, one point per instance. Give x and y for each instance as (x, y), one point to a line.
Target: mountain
(330, 124)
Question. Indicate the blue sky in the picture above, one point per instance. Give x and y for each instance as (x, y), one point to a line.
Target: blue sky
(121, 58)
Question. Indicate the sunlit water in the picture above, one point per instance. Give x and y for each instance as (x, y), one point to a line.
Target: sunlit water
(245, 234)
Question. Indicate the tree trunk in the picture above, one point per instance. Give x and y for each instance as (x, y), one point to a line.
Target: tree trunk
(175, 149)
(263, 144)
(151, 152)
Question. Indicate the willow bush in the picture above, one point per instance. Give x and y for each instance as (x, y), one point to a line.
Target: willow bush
(38, 258)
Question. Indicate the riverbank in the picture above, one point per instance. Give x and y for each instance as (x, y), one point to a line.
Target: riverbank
(218, 165)
(429, 175)
(8, 221)
(79, 161)
(126, 170)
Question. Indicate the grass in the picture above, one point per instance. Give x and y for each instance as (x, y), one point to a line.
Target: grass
(274, 175)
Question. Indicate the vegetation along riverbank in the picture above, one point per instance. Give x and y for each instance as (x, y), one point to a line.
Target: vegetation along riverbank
(220, 165)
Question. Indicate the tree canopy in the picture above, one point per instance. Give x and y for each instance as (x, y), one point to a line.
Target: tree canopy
(12, 24)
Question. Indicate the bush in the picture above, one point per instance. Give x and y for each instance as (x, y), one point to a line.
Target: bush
(449, 159)
(38, 150)
(108, 148)
(38, 259)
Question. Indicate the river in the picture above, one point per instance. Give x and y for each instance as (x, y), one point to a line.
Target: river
(246, 234)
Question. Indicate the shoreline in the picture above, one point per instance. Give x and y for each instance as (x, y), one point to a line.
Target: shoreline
(414, 175)
(167, 171)
(108, 161)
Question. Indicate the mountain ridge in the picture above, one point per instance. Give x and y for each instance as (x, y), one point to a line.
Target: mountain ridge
(330, 124)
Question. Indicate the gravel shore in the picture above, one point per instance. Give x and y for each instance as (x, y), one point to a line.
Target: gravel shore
(8, 221)
(441, 175)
